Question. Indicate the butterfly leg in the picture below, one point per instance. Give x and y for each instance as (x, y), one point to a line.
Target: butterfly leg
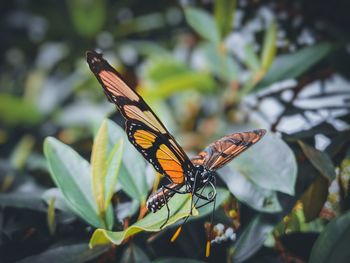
(208, 201)
(207, 198)
(166, 200)
(194, 189)
(167, 207)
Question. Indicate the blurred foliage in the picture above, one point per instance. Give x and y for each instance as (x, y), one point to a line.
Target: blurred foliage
(207, 68)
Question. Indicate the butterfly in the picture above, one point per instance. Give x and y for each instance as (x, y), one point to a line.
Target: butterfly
(151, 138)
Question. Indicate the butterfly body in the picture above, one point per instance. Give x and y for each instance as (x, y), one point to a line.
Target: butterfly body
(194, 181)
(151, 138)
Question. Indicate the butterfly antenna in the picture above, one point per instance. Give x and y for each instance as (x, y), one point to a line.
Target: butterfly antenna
(178, 231)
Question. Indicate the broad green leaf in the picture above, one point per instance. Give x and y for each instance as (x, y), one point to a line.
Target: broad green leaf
(248, 192)
(179, 208)
(21, 200)
(270, 164)
(295, 64)
(320, 160)
(269, 47)
(72, 253)
(333, 243)
(132, 175)
(51, 221)
(251, 58)
(224, 11)
(22, 151)
(344, 180)
(203, 23)
(71, 173)
(314, 197)
(144, 23)
(148, 47)
(99, 166)
(180, 82)
(134, 254)
(295, 221)
(109, 217)
(220, 63)
(113, 165)
(60, 202)
(252, 238)
(105, 168)
(16, 111)
(88, 16)
(338, 143)
(165, 76)
(159, 68)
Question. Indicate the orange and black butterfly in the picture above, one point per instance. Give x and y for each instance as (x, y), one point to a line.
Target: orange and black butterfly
(149, 136)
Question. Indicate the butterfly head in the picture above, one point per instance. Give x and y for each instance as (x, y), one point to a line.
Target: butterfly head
(204, 175)
(94, 60)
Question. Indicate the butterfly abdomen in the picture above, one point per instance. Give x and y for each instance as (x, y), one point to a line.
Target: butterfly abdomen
(158, 199)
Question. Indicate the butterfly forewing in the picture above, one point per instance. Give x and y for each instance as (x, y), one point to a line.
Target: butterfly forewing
(220, 152)
(157, 150)
(144, 130)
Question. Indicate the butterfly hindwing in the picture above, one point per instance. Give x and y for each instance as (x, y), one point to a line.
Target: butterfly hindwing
(220, 152)
(145, 131)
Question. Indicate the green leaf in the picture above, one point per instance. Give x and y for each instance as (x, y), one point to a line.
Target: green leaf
(224, 11)
(295, 64)
(220, 63)
(252, 238)
(269, 47)
(179, 208)
(105, 169)
(160, 67)
(99, 167)
(203, 23)
(22, 151)
(51, 222)
(113, 165)
(109, 217)
(320, 160)
(21, 200)
(147, 47)
(333, 243)
(60, 202)
(181, 82)
(16, 111)
(251, 58)
(73, 253)
(88, 16)
(314, 197)
(165, 76)
(338, 143)
(139, 24)
(270, 164)
(132, 175)
(246, 191)
(71, 173)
